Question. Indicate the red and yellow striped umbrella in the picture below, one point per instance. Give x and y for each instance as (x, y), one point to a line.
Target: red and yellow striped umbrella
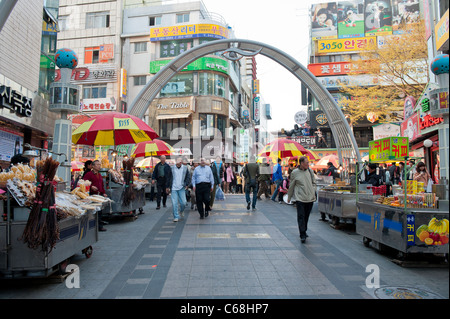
(151, 148)
(113, 128)
(283, 147)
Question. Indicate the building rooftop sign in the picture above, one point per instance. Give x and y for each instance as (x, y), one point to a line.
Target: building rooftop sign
(188, 32)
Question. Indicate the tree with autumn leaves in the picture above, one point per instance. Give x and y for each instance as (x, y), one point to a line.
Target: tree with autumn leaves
(399, 65)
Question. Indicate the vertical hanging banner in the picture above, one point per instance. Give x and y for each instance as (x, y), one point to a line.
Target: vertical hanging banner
(255, 84)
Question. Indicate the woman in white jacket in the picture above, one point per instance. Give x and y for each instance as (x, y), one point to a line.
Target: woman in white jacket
(302, 190)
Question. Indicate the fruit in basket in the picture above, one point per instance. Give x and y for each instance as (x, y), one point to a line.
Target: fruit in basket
(438, 226)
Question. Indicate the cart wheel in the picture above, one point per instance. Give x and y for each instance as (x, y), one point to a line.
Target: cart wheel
(88, 251)
(335, 221)
(62, 266)
(323, 217)
(141, 210)
(366, 241)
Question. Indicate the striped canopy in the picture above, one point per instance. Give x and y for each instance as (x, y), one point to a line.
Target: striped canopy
(283, 147)
(151, 148)
(113, 128)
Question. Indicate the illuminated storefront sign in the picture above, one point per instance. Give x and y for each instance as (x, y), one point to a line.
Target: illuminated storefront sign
(188, 31)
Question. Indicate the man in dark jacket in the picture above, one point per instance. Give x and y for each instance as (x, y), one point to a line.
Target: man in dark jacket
(251, 174)
(331, 171)
(372, 178)
(162, 174)
(264, 179)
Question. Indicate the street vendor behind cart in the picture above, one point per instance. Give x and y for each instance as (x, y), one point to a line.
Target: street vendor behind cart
(372, 178)
(97, 187)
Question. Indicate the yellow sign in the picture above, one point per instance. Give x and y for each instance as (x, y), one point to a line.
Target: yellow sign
(343, 45)
(123, 83)
(188, 31)
(255, 86)
(441, 31)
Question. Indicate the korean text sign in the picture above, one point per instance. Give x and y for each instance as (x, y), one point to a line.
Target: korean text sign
(389, 148)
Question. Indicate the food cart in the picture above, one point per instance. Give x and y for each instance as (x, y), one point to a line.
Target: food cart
(77, 233)
(115, 189)
(339, 202)
(409, 221)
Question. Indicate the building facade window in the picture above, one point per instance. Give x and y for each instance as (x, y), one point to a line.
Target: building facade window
(140, 47)
(96, 20)
(210, 122)
(92, 56)
(182, 17)
(174, 48)
(211, 84)
(175, 127)
(179, 85)
(95, 91)
(153, 21)
(63, 23)
(140, 80)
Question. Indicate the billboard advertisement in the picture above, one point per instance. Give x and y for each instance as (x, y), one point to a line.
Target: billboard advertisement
(377, 17)
(324, 21)
(350, 15)
(404, 13)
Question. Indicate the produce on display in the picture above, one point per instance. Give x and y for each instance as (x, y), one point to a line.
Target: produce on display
(434, 233)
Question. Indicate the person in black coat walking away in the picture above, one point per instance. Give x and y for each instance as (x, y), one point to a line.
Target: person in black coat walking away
(162, 174)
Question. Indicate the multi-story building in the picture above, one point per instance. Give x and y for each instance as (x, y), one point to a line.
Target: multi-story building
(92, 29)
(339, 30)
(24, 114)
(199, 109)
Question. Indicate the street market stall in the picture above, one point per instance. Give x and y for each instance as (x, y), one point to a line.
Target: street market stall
(123, 187)
(150, 150)
(42, 228)
(409, 221)
(113, 128)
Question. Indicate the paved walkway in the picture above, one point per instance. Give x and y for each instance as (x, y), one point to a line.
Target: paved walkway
(233, 253)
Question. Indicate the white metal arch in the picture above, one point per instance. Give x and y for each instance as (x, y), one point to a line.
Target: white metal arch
(342, 134)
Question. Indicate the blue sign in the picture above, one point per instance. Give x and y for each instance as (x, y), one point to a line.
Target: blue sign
(410, 230)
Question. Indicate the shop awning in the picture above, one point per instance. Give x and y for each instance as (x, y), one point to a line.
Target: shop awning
(173, 116)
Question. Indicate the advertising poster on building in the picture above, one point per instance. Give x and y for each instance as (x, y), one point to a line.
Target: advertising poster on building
(404, 13)
(377, 17)
(324, 21)
(11, 143)
(410, 127)
(350, 19)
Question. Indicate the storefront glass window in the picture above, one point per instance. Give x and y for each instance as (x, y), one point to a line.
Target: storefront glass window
(181, 84)
(175, 127)
(210, 122)
(211, 84)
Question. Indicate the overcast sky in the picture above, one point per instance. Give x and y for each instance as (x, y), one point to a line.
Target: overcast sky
(283, 24)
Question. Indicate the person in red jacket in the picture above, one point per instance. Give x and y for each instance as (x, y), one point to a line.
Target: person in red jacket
(97, 187)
